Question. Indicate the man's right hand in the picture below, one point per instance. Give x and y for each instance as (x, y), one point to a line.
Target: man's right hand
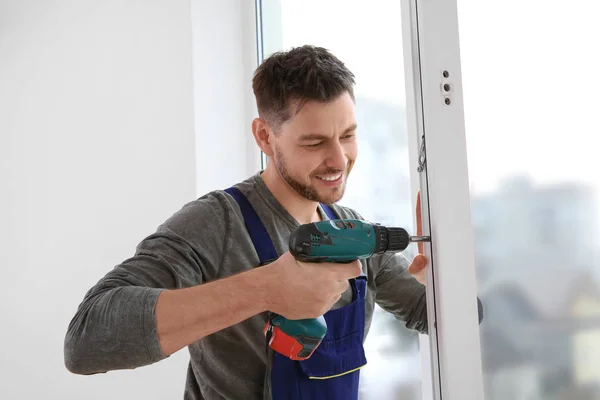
(287, 287)
(299, 290)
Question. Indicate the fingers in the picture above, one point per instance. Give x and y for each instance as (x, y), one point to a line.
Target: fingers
(342, 286)
(347, 271)
(417, 269)
(419, 222)
(418, 265)
(334, 300)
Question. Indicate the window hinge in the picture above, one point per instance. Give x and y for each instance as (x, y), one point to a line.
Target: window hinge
(422, 155)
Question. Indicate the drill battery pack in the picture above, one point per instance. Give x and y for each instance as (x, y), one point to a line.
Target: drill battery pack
(285, 337)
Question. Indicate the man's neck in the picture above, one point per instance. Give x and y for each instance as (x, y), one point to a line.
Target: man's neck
(303, 210)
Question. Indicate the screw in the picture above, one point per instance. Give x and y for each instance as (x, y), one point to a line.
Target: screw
(446, 87)
(447, 101)
(446, 74)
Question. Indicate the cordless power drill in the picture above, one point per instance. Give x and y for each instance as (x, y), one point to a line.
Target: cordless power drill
(338, 241)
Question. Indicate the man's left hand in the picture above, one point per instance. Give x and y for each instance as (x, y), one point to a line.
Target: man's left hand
(417, 267)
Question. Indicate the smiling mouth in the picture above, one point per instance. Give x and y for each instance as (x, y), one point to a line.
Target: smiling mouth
(330, 178)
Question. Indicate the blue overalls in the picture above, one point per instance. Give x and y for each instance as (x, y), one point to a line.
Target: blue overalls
(333, 370)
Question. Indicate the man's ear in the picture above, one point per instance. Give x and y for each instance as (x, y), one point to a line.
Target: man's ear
(262, 136)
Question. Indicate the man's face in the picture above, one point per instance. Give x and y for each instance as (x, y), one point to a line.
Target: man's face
(315, 150)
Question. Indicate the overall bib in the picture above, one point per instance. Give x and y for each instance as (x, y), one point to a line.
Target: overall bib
(333, 370)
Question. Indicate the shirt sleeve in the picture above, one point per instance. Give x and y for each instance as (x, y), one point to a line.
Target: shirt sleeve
(402, 295)
(399, 293)
(114, 327)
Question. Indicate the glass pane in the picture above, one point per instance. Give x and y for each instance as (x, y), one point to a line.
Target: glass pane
(531, 106)
(367, 37)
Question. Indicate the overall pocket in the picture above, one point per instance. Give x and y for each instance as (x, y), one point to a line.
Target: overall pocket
(333, 371)
(335, 358)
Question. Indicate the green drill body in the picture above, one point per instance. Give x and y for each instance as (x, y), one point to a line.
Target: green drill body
(341, 240)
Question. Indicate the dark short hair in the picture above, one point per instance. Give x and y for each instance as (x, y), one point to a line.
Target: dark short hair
(293, 77)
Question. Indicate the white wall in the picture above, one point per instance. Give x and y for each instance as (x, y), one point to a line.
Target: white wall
(96, 149)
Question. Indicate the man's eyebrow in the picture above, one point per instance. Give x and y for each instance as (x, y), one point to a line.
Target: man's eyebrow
(351, 128)
(320, 136)
(312, 136)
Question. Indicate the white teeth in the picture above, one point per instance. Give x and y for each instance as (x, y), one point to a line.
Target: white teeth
(330, 178)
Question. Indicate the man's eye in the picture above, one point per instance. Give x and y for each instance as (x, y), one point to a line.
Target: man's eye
(313, 144)
(348, 136)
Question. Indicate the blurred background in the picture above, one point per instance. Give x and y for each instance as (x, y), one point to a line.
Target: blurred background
(530, 73)
(107, 126)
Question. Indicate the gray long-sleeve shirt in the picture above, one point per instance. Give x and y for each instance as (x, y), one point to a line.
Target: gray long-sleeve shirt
(115, 326)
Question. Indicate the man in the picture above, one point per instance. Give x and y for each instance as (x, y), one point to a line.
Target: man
(206, 280)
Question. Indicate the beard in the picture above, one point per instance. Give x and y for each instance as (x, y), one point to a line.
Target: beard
(309, 192)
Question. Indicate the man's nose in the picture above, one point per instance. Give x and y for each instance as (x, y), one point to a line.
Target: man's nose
(337, 157)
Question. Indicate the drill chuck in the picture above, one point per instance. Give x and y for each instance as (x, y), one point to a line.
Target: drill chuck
(390, 239)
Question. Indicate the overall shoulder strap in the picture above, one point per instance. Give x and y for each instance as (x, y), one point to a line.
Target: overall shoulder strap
(329, 211)
(258, 233)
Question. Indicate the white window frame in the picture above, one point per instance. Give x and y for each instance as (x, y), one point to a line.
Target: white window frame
(451, 354)
(431, 44)
(430, 388)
